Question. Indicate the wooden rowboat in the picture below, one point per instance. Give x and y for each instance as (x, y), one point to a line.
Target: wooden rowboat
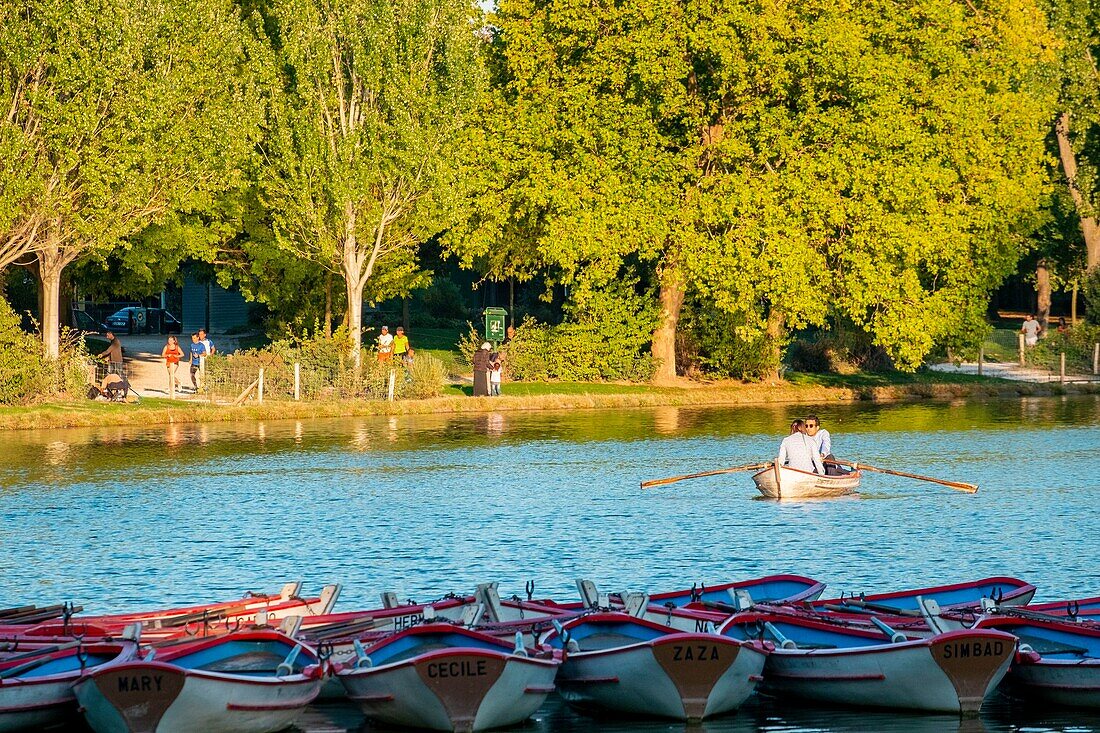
(36, 685)
(833, 663)
(615, 662)
(442, 677)
(245, 682)
(784, 482)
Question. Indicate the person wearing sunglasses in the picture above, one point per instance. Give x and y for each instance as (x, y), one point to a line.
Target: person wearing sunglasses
(823, 443)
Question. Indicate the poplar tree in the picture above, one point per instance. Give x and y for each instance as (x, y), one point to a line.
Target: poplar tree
(366, 126)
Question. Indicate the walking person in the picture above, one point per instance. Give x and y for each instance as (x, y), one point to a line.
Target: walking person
(799, 452)
(401, 347)
(210, 350)
(198, 353)
(1031, 330)
(496, 372)
(385, 344)
(172, 353)
(113, 355)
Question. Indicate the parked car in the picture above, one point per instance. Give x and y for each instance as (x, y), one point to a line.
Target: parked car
(134, 319)
(86, 323)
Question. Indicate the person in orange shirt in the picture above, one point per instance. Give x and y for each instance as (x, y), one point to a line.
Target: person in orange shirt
(172, 353)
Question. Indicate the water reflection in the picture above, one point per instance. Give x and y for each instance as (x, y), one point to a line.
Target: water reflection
(761, 715)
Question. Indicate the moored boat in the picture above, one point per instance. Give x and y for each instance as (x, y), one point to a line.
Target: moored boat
(784, 482)
(619, 663)
(833, 663)
(36, 684)
(255, 681)
(1057, 662)
(443, 677)
(1002, 590)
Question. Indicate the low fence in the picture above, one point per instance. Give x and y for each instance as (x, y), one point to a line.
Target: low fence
(1057, 356)
(232, 380)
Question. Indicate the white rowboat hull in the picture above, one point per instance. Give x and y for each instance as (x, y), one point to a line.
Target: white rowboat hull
(790, 483)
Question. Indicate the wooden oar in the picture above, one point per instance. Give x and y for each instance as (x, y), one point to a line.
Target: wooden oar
(674, 479)
(957, 485)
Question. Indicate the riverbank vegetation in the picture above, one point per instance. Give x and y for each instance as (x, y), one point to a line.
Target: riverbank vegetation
(709, 190)
(803, 390)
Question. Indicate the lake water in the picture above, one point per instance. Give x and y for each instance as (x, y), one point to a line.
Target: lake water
(126, 518)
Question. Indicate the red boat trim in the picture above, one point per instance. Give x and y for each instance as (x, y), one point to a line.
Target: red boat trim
(37, 706)
(539, 689)
(828, 677)
(1055, 686)
(756, 677)
(292, 705)
(590, 680)
(370, 698)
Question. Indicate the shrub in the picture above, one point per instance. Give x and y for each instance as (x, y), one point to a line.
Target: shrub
(837, 352)
(718, 344)
(26, 374)
(1076, 343)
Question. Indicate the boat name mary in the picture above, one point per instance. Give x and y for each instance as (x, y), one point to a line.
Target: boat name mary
(966, 649)
(141, 683)
(458, 668)
(694, 653)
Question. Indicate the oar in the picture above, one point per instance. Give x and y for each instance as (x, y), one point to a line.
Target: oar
(958, 485)
(674, 479)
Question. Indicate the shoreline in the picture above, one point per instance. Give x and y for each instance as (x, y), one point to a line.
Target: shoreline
(157, 411)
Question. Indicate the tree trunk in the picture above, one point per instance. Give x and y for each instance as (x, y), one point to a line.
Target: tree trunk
(328, 305)
(1090, 227)
(1073, 305)
(355, 319)
(664, 337)
(775, 329)
(1042, 288)
(405, 313)
(50, 267)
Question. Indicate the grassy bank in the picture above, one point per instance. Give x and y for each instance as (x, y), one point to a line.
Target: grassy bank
(809, 389)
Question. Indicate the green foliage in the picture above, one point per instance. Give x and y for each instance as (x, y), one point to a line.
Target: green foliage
(1076, 343)
(715, 343)
(424, 378)
(443, 303)
(26, 373)
(837, 352)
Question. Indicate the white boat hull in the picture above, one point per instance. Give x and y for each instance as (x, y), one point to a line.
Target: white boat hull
(150, 697)
(680, 676)
(34, 705)
(790, 483)
(952, 673)
(1072, 683)
(453, 690)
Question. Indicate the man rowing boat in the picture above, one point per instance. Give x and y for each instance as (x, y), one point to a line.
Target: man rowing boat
(799, 451)
(823, 443)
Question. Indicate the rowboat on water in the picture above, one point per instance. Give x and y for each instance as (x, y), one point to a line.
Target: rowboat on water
(36, 685)
(442, 677)
(254, 681)
(784, 482)
(1084, 609)
(616, 662)
(767, 589)
(1057, 662)
(1002, 590)
(834, 663)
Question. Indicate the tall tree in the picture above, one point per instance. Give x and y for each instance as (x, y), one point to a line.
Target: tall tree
(366, 128)
(127, 110)
(778, 159)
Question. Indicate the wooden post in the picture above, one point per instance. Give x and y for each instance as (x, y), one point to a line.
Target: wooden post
(393, 381)
(981, 358)
(1062, 368)
(260, 387)
(1023, 360)
(1095, 359)
(297, 381)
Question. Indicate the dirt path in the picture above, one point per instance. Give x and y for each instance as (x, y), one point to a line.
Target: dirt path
(147, 372)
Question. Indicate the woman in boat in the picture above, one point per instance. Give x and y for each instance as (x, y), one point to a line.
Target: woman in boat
(800, 452)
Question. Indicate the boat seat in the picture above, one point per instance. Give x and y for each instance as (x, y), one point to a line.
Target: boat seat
(1049, 646)
(606, 641)
(248, 663)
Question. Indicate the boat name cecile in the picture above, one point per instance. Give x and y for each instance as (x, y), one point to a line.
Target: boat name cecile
(694, 653)
(141, 683)
(457, 668)
(967, 649)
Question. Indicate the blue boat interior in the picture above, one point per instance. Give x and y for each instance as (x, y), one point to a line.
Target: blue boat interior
(597, 635)
(66, 663)
(804, 637)
(1053, 643)
(248, 658)
(406, 647)
(769, 590)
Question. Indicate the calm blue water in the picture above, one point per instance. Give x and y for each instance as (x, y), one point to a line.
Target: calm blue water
(131, 518)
